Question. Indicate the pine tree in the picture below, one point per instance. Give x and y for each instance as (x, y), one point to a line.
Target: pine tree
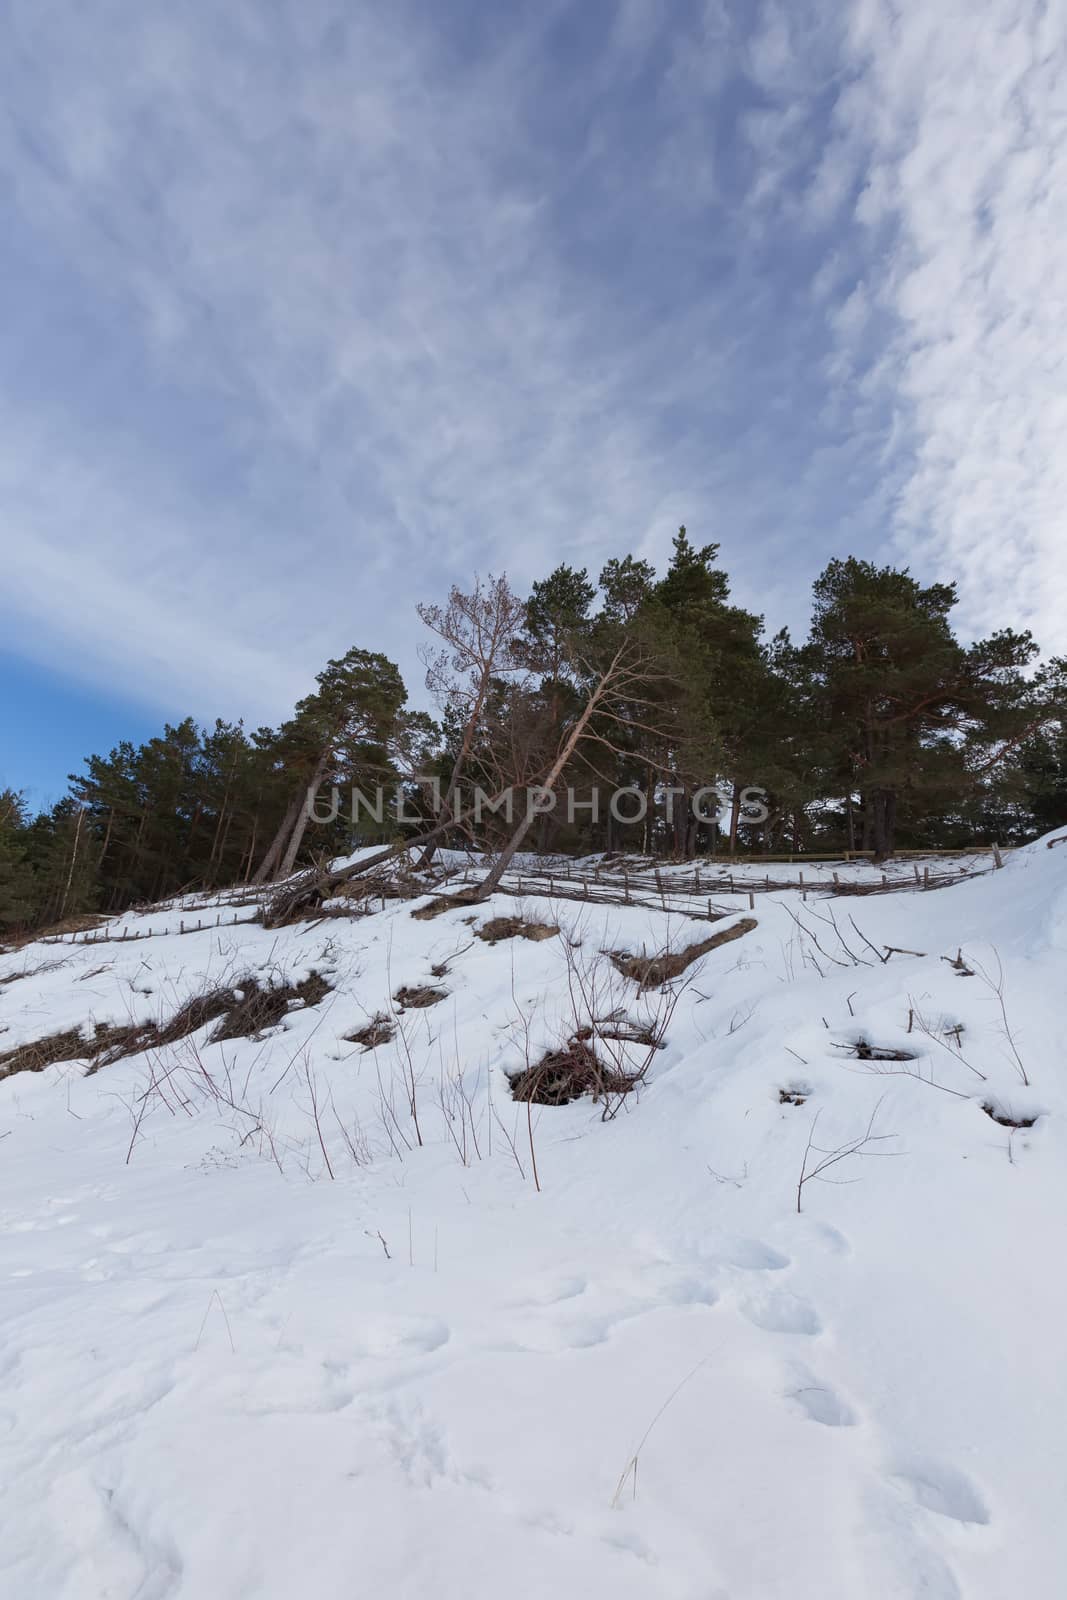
(18, 904)
(338, 734)
(917, 721)
(64, 855)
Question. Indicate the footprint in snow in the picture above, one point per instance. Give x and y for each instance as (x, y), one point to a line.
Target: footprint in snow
(777, 1311)
(820, 1403)
(941, 1489)
(832, 1240)
(387, 1336)
(752, 1255)
(552, 1292)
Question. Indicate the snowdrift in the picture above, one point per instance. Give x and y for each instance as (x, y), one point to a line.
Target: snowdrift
(306, 1302)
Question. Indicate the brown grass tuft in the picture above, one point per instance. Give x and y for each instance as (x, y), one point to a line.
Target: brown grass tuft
(652, 972)
(498, 928)
(565, 1075)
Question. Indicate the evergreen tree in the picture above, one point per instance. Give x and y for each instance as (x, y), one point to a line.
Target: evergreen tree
(64, 855)
(907, 705)
(18, 905)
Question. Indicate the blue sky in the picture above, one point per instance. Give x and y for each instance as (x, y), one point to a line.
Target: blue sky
(314, 308)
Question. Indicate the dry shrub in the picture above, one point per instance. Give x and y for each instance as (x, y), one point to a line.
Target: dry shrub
(652, 972)
(863, 1050)
(565, 1075)
(622, 1031)
(379, 1030)
(259, 1009)
(416, 998)
(498, 928)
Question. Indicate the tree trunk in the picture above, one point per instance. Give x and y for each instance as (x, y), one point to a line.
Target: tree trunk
(650, 812)
(735, 817)
(296, 838)
(678, 823)
(883, 829)
(73, 860)
(267, 867)
(500, 866)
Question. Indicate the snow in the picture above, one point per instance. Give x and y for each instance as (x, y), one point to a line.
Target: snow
(226, 1374)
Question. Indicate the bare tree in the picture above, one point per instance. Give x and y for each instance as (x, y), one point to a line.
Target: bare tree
(478, 633)
(610, 699)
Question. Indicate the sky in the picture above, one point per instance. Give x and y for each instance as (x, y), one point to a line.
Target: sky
(313, 308)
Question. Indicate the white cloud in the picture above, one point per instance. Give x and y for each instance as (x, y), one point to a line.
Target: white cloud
(339, 241)
(963, 117)
(367, 305)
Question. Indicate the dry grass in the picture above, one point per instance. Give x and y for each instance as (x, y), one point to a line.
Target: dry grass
(40, 1053)
(565, 1075)
(652, 972)
(261, 1008)
(243, 1011)
(443, 902)
(418, 997)
(379, 1030)
(498, 928)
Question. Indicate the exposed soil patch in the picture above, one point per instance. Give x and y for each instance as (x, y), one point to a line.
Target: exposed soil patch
(565, 1075)
(242, 1012)
(379, 1030)
(442, 902)
(419, 997)
(651, 972)
(1006, 1118)
(791, 1097)
(498, 928)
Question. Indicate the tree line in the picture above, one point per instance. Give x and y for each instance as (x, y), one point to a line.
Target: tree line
(880, 730)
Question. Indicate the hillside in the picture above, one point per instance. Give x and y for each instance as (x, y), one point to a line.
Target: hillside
(286, 1313)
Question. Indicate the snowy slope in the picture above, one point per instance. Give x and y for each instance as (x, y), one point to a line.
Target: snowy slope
(227, 1374)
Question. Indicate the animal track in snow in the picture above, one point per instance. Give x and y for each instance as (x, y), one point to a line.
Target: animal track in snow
(820, 1403)
(551, 1292)
(560, 1324)
(752, 1255)
(831, 1239)
(778, 1311)
(944, 1490)
(419, 1446)
(387, 1336)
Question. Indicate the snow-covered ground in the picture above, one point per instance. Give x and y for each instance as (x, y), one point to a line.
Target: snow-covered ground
(227, 1374)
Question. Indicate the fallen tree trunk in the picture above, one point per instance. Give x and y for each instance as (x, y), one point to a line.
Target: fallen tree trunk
(316, 885)
(548, 787)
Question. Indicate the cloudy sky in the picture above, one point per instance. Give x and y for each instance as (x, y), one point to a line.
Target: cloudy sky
(312, 307)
